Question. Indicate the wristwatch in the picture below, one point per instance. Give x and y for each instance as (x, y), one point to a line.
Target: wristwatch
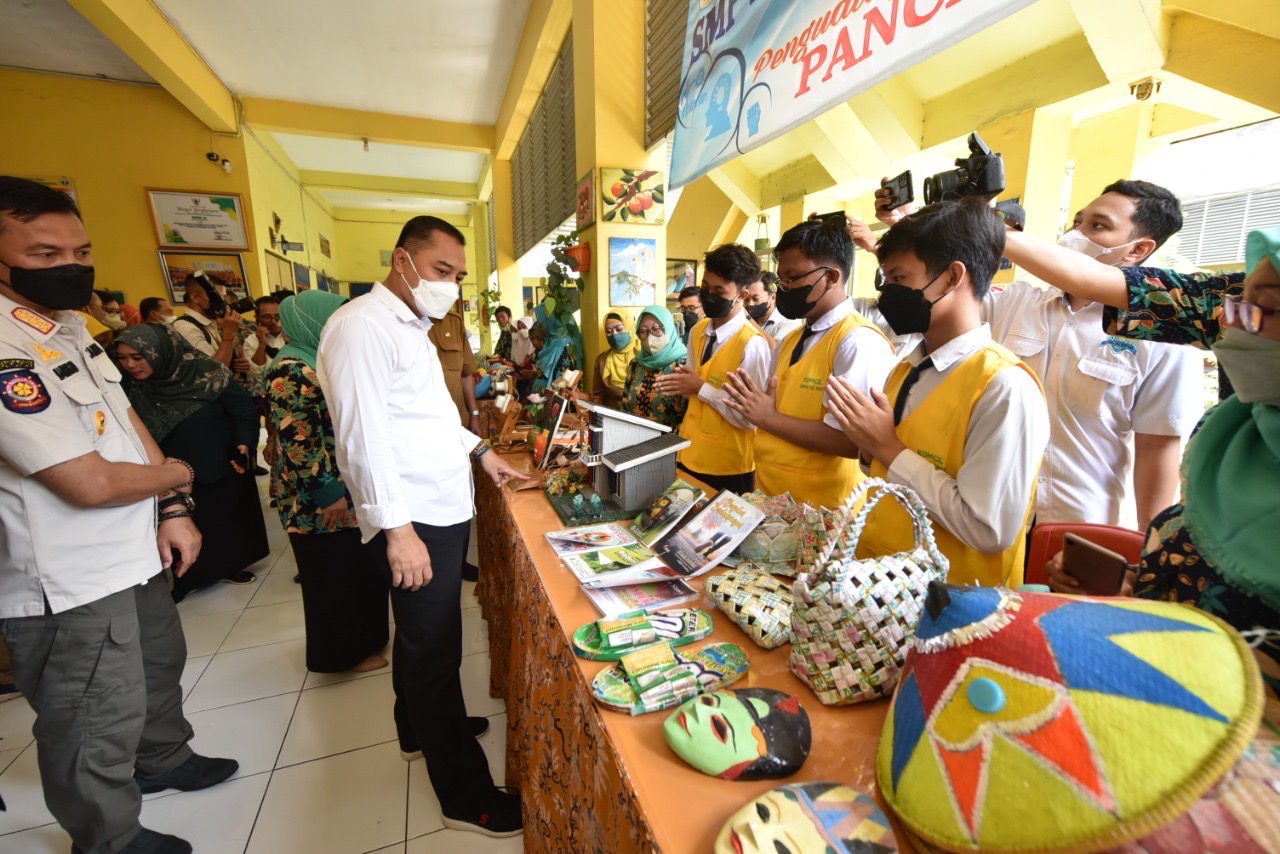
(475, 413)
(188, 503)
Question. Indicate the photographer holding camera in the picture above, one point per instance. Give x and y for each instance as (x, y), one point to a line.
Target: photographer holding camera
(211, 326)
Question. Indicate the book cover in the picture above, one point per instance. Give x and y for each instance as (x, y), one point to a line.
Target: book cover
(589, 538)
(656, 520)
(709, 537)
(628, 563)
(612, 601)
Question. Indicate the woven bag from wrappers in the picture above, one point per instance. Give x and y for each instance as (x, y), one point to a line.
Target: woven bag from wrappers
(759, 603)
(852, 618)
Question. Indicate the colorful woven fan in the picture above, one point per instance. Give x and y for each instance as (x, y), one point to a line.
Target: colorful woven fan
(1030, 721)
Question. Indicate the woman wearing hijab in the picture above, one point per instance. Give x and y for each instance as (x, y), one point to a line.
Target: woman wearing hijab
(554, 353)
(196, 413)
(661, 350)
(1216, 549)
(344, 600)
(613, 365)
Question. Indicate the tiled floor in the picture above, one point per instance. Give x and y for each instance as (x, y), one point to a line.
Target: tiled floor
(320, 770)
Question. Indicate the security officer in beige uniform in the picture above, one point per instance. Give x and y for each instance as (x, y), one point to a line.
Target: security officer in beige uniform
(90, 512)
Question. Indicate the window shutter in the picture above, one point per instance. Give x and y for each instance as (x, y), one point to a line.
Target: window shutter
(543, 179)
(665, 22)
(1214, 229)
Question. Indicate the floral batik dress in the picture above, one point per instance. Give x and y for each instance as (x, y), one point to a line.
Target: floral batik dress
(641, 396)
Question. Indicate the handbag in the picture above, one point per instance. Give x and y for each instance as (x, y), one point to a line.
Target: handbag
(852, 618)
(759, 603)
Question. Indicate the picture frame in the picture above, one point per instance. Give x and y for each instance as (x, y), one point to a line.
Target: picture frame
(184, 219)
(681, 273)
(302, 276)
(226, 266)
(633, 271)
(325, 249)
(586, 208)
(633, 195)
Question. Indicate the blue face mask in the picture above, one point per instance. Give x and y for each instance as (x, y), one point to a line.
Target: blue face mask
(620, 340)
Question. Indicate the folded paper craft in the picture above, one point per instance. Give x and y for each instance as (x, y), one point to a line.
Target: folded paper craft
(676, 627)
(711, 668)
(759, 603)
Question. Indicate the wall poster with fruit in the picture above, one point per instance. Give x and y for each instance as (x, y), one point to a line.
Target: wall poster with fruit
(632, 195)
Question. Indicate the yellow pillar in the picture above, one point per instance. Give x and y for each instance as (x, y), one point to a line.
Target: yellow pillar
(484, 266)
(1036, 146)
(507, 265)
(608, 78)
(1107, 149)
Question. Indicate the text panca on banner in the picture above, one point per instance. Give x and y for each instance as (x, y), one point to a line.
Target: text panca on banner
(755, 69)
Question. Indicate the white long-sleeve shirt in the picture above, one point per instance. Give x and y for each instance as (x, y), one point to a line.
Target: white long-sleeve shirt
(985, 504)
(400, 447)
(757, 359)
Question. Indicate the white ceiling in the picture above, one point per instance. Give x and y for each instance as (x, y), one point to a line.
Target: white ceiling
(370, 201)
(394, 161)
(50, 35)
(439, 59)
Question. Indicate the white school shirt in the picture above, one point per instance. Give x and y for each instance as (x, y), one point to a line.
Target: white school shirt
(863, 358)
(1100, 391)
(400, 448)
(985, 504)
(777, 326)
(60, 398)
(757, 359)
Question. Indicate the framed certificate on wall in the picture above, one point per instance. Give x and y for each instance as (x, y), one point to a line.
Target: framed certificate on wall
(192, 220)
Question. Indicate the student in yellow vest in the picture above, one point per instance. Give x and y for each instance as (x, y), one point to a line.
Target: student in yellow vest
(800, 447)
(724, 341)
(972, 423)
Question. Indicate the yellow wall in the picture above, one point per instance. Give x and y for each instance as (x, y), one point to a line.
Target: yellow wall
(303, 216)
(362, 234)
(114, 140)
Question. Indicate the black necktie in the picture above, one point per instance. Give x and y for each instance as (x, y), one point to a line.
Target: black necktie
(804, 336)
(711, 345)
(913, 376)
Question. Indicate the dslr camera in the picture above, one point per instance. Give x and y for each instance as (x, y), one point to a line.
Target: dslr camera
(218, 305)
(979, 174)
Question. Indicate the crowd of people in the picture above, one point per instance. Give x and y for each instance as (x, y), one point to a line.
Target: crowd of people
(1002, 408)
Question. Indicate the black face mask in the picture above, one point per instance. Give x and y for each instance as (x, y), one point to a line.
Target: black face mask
(65, 287)
(759, 311)
(690, 318)
(905, 309)
(715, 306)
(794, 304)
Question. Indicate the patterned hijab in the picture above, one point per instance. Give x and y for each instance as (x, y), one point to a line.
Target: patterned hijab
(303, 317)
(181, 382)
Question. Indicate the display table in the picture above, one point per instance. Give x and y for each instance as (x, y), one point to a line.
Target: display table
(591, 779)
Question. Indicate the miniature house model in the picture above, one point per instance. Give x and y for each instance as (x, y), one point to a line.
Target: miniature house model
(634, 458)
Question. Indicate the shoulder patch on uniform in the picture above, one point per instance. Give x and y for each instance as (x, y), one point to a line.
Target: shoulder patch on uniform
(46, 354)
(94, 349)
(16, 364)
(22, 391)
(38, 322)
(66, 369)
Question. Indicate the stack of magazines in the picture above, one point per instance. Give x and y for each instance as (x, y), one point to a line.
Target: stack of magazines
(679, 536)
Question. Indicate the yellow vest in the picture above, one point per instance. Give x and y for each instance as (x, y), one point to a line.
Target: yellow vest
(936, 430)
(718, 446)
(822, 480)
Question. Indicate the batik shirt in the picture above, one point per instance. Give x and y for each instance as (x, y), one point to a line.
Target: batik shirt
(641, 396)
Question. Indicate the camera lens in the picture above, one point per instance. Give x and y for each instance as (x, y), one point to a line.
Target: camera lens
(945, 186)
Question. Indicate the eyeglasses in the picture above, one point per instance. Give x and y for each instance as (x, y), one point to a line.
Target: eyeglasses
(788, 284)
(1251, 314)
(646, 331)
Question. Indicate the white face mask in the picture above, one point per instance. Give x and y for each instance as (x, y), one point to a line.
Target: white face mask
(523, 334)
(433, 299)
(170, 318)
(114, 322)
(1077, 242)
(655, 344)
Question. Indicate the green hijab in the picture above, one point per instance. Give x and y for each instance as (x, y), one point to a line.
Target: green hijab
(303, 317)
(182, 381)
(674, 351)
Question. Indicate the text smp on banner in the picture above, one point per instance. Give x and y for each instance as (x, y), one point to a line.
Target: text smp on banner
(755, 69)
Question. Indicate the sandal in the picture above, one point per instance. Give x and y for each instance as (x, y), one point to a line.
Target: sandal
(710, 668)
(676, 627)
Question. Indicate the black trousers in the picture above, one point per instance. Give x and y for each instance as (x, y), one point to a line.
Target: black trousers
(103, 679)
(739, 483)
(430, 713)
(344, 599)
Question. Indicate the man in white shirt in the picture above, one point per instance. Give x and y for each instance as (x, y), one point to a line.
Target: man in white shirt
(96, 642)
(761, 304)
(799, 445)
(407, 462)
(217, 338)
(722, 454)
(962, 421)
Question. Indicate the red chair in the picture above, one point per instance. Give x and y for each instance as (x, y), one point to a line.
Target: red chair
(1046, 541)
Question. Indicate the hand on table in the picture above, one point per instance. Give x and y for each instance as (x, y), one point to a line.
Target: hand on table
(499, 470)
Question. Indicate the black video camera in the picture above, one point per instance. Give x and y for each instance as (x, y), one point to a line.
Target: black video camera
(217, 304)
(980, 174)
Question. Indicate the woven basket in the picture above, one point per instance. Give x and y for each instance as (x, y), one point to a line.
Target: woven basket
(759, 603)
(852, 618)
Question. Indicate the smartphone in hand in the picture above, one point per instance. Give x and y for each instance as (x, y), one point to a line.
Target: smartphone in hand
(901, 192)
(1099, 570)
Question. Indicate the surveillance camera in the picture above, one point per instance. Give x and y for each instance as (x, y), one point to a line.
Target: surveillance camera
(226, 166)
(212, 156)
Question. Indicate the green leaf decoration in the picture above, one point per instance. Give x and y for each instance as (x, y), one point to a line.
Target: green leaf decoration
(626, 214)
(608, 199)
(550, 304)
(610, 216)
(657, 195)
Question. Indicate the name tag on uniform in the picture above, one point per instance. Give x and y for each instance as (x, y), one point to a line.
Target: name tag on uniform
(66, 369)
